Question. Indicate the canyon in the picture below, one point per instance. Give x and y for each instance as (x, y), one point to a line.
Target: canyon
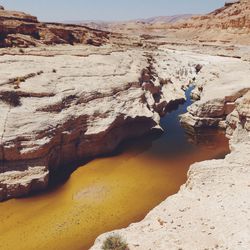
(70, 93)
(213, 203)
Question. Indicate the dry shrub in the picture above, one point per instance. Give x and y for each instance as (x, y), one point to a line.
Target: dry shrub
(115, 242)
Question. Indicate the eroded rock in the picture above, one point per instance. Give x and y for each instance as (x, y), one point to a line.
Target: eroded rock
(219, 90)
(73, 105)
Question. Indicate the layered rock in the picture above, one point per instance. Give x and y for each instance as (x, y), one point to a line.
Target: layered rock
(230, 23)
(19, 183)
(219, 90)
(71, 105)
(240, 115)
(19, 29)
(233, 15)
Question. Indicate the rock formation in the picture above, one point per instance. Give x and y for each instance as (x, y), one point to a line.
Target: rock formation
(233, 15)
(231, 77)
(19, 29)
(230, 23)
(52, 115)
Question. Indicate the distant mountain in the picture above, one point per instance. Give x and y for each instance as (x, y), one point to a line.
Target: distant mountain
(165, 19)
(117, 25)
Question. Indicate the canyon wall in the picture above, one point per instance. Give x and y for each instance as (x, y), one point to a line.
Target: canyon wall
(18, 29)
(75, 103)
(229, 24)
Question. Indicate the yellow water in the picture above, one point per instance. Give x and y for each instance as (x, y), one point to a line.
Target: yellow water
(105, 194)
(109, 193)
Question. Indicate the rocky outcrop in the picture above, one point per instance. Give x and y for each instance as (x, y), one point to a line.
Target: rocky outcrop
(53, 116)
(16, 16)
(232, 15)
(232, 80)
(19, 29)
(20, 183)
(230, 23)
(240, 115)
(74, 106)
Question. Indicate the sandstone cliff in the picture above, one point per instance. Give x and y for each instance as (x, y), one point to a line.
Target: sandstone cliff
(232, 15)
(22, 30)
(229, 24)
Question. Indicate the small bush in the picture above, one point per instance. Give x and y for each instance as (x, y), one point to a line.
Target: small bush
(115, 242)
(54, 70)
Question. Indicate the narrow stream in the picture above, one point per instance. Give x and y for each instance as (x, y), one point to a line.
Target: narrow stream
(109, 193)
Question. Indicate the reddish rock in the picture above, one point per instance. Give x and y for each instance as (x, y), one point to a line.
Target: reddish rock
(18, 29)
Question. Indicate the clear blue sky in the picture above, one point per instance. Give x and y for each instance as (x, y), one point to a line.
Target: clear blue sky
(60, 10)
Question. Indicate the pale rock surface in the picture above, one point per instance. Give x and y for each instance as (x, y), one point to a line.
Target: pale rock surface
(19, 183)
(73, 104)
(218, 89)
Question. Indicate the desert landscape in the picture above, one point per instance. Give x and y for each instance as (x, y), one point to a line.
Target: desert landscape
(126, 135)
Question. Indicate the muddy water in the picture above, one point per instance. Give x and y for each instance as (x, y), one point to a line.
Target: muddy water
(108, 193)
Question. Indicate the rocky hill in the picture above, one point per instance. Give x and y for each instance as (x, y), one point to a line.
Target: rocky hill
(234, 15)
(23, 30)
(166, 19)
(230, 23)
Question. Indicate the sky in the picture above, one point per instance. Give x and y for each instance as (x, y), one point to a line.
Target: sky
(109, 10)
